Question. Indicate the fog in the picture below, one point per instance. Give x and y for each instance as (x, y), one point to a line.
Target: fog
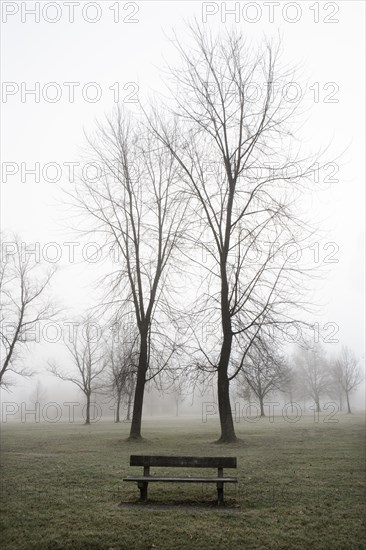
(125, 59)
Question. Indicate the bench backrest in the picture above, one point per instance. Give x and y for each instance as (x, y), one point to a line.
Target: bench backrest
(184, 461)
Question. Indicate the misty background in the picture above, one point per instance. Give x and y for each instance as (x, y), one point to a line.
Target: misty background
(126, 59)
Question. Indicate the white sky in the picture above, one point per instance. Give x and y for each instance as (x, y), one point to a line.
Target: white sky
(107, 52)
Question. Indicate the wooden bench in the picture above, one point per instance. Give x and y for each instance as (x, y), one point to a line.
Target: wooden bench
(147, 462)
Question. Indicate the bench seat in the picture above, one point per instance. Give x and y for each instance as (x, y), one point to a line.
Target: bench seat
(149, 479)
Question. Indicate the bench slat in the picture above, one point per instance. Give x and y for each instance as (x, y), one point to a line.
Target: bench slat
(184, 461)
(182, 479)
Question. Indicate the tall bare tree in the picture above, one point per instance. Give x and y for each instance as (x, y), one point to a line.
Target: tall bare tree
(135, 204)
(233, 138)
(346, 372)
(23, 302)
(87, 352)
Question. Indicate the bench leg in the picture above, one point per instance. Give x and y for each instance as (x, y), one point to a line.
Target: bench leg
(220, 493)
(142, 485)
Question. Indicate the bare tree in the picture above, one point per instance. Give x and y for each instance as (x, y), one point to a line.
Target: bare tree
(130, 389)
(313, 373)
(263, 370)
(121, 375)
(135, 204)
(292, 386)
(179, 385)
(346, 373)
(24, 304)
(236, 153)
(179, 397)
(243, 390)
(38, 395)
(87, 352)
(335, 390)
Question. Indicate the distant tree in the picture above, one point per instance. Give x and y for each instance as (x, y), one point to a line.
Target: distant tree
(39, 394)
(121, 375)
(313, 373)
(335, 390)
(346, 373)
(179, 391)
(243, 389)
(292, 387)
(23, 304)
(130, 390)
(263, 371)
(88, 355)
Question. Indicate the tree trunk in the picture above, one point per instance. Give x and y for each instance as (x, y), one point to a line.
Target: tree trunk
(223, 383)
(223, 394)
(87, 419)
(226, 417)
(135, 432)
(129, 403)
(340, 402)
(261, 406)
(317, 405)
(290, 394)
(118, 405)
(348, 405)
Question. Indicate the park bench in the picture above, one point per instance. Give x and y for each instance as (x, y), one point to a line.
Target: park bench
(147, 462)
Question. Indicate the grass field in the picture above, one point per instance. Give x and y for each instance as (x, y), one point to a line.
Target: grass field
(300, 486)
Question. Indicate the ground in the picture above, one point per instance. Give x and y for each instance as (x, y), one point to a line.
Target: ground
(301, 485)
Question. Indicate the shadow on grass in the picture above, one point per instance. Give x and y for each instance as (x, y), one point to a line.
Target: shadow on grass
(134, 440)
(230, 505)
(237, 443)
